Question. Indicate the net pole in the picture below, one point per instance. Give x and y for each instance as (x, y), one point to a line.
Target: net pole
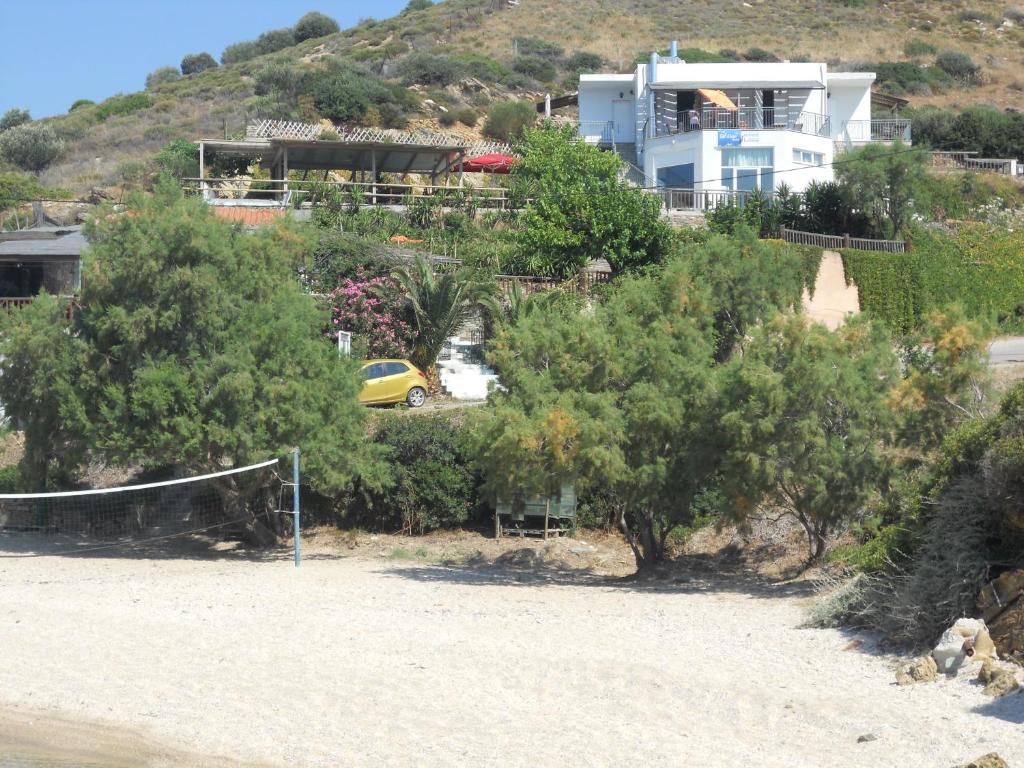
(295, 506)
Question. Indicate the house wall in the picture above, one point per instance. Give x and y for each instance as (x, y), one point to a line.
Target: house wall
(848, 101)
(701, 148)
(596, 106)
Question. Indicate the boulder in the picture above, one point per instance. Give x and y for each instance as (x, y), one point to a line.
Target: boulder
(922, 670)
(1001, 604)
(966, 639)
(998, 681)
(991, 760)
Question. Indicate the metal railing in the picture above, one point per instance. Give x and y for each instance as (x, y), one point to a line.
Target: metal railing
(833, 242)
(354, 193)
(9, 304)
(969, 161)
(862, 131)
(747, 118)
(676, 199)
(601, 132)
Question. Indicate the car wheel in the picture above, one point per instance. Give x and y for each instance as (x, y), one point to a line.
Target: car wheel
(417, 396)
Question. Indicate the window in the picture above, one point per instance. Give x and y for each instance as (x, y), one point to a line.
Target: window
(804, 157)
(676, 176)
(392, 369)
(374, 371)
(745, 169)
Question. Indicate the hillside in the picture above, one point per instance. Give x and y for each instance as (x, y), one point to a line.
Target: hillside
(457, 57)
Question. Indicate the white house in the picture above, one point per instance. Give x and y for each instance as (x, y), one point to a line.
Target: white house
(732, 127)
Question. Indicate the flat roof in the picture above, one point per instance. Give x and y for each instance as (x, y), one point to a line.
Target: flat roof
(610, 78)
(857, 78)
(746, 74)
(318, 154)
(62, 243)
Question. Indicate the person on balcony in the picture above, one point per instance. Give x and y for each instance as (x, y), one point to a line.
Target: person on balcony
(694, 119)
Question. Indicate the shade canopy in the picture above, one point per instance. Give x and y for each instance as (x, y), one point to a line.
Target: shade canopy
(717, 97)
(494, 162)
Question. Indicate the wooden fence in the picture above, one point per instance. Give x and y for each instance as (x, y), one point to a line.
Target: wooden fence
(834, 242)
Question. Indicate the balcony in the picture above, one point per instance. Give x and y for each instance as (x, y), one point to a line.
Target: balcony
(871, 131)
(747, 118)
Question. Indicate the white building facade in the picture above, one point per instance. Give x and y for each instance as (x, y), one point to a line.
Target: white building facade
(718, 129)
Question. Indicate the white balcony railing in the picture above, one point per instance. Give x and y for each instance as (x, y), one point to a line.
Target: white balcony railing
(867, 131)
(748, 118)
(600, 132)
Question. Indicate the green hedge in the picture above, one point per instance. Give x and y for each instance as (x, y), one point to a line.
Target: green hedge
(978, 267)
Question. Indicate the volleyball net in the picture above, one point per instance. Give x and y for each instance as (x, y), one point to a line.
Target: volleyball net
(252, 503)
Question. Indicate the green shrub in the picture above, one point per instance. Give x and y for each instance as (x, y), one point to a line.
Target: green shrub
(31, 146)
(973, 14)
(447, 119)
(275, 40)
(13, 118)
(314, 24)
(919, 48)
(536, 67)
(194, 63)
(345, 93)
(238, 52)
(434, 483)
(123, 104)
(958, 65)
(179, 159)
(429, 69)
(467, 116)
(583, 61)
(1015, 14)
(80, 103)
(534, 46)
(759, 55)
(9, 479)
(979, 128)
(418, 5)
(160, 76)
(906, 76)
(507, 119)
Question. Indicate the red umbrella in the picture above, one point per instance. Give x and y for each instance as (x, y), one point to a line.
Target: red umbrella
(492, 163)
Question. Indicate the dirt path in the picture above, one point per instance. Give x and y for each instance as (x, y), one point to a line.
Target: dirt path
(360, 661)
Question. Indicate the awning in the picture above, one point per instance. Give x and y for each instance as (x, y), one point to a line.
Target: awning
(494, 162)
(717, 97)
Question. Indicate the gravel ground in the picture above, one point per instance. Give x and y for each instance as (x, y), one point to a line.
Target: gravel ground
(360, 661)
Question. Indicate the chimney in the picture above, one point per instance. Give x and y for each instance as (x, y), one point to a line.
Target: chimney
(673, 51)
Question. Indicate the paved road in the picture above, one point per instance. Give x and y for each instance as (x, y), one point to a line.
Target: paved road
(1006, 351)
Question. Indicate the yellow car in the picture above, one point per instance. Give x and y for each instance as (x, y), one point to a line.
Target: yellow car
(393, 381)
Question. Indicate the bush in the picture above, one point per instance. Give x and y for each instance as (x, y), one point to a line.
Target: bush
(179, 159)
(194, 63)
(429, 69)
(239, 52)
(435, 485)
(418, 5)
(467, 116)
(906, 76)
(919, 48)
(760, 55)
(123, 104)
(345, 93)
(958, 65)
(507, 120)
(582, 61)
(1014, 14)
(374, 311)
(160, 76)
(536, 67)
(447, 119)
(31, 146)
(80, 103)
(534, 46)
(13, 118)
(973, 14)
(979, 128)
(315, 24)
(275, 40)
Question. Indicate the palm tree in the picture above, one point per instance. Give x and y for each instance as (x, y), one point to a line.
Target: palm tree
(440, 303)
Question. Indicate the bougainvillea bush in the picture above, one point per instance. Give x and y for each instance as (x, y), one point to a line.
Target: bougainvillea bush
(374, 311)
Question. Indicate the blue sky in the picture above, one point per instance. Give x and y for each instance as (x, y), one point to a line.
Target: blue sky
(53, 52)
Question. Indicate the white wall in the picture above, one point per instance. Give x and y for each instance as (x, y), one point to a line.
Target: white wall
(848, 101)
(595, 103)
(701, 149)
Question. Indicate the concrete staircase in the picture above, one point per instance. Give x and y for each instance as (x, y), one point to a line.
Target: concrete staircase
(461, 377)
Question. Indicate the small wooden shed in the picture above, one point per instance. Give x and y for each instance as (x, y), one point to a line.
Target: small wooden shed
(542, 510)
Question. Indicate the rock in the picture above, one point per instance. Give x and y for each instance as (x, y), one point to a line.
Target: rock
(922, 670)
(999, 681)
(967, 638)
(991, 760)
(866, 737)
(1001, 604)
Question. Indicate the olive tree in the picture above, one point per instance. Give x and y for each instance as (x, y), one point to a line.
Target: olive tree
(31, 146)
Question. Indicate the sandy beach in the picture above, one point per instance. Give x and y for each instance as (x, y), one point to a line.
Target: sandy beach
(362, 661)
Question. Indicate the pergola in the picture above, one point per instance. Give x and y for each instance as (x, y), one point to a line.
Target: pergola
(368, 159)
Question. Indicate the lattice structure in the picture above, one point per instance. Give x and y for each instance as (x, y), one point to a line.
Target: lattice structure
(287, 129)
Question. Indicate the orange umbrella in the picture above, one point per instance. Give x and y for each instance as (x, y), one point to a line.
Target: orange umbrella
(717, 97)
